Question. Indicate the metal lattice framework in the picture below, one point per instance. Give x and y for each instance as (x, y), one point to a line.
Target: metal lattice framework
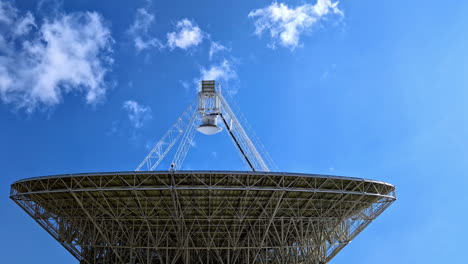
(185, 217)
(202, 216)
(181, 128)
(210, 104)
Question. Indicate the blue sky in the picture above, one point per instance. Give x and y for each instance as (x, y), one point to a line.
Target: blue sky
(371, 89)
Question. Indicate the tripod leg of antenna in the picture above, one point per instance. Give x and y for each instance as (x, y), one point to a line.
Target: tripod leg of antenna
(170, 138)
(185, 144)
(241, 139)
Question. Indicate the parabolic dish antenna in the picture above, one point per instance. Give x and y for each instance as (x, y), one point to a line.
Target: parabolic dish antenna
(176, 216)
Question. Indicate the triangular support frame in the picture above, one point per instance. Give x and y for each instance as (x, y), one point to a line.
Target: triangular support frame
(185, 129)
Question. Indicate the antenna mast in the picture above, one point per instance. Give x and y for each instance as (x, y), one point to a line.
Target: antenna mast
(204, 117)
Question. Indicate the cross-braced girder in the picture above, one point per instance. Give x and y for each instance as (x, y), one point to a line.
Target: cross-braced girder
(203, 116)
(202, 217)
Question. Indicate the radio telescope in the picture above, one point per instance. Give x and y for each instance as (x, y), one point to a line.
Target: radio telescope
(176, 216)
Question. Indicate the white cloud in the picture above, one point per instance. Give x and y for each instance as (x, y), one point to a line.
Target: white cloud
(186, 35)
(7, 12)
(137, 114)
(185, 84)
(24, 24)
(19, 25)
(216, 47)
(221, 72)
(67, 54)
(139, 31)
(193, 143)
(286, 24)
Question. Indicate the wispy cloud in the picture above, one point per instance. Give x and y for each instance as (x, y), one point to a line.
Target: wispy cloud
(220, 72)
(185, 84)
(24, 25)
(224, 73)
(8, 13)
(187, 35)
(137, 114)
(286, 24)
(69, 53)
(139, 31)
(216, 47)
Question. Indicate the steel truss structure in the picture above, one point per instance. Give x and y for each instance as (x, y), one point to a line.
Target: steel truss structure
(191, 217)
(202, 216)
(209, 107)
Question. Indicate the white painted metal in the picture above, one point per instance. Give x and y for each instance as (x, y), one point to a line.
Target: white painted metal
(208, 107)
(202, 217)
(249, 131)
(239, 135)
(165, 144)
(211, 108)
(209, 125)
(185, 144)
